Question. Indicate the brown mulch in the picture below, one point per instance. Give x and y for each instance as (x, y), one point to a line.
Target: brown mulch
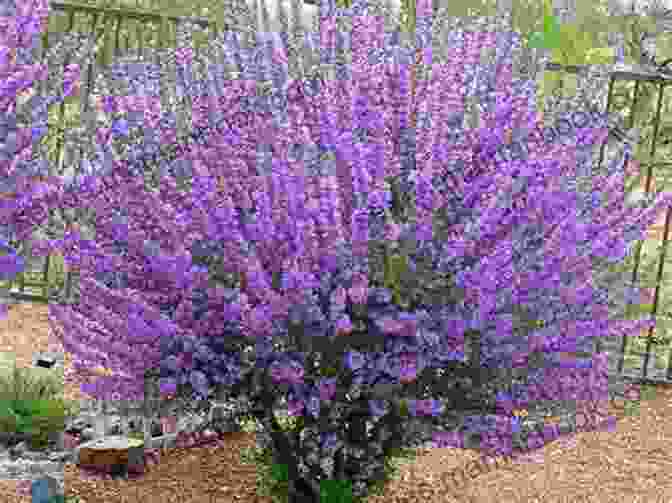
(627, 465)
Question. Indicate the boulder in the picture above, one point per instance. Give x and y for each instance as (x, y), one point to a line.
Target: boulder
(114, 455)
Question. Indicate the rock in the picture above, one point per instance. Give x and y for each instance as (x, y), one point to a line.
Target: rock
(18, 450)
(88, 434)
(156, 430)
(112, 454)
(45, 489)
(83, 425)
(45, 362)
(24, 463)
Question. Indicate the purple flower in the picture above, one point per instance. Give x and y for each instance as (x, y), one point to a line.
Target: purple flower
(354, 360)
(425, 407)
(344, 325)
(327, 388)
(10, 266)
(377, 408)
(289, 372)
(296, 232)
(167, 386)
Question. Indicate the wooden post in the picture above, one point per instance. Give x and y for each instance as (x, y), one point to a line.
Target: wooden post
(147, 413)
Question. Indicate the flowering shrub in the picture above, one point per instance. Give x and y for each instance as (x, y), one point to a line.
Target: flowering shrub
(28, 90)
(355, 255)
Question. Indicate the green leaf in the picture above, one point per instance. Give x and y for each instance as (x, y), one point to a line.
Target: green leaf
(551, 32)
(636, 311)
(600, 56)
(403, 407)
(548, 8)
(536, 41)
(280, 472)
(327, 371)
(335, 491)
(396, 266)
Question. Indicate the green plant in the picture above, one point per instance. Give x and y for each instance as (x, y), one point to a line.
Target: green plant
(550, 37)
(137, 435)
(29, 383)
(56, 274)
(647, 392)
(39, 419)
(272, 478)
(30, 403)
(201, 380)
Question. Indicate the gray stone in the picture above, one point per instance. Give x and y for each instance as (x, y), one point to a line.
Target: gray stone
(18, 449)
(87, 434)
(49, 360)
(61, 456)
(32, 455)
(45, 489)
(83, 424)
(18, 461)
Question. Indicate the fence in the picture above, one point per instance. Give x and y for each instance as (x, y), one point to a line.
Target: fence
(147, 413)
(98, 19)
(634, 357)
(25, 285)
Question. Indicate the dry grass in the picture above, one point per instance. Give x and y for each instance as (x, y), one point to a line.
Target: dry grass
(629, 464)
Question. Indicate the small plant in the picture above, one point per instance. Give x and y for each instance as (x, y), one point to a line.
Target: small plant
(30, 404)
(647, 392)
(136, 435)
(38, 419)
(272, 479)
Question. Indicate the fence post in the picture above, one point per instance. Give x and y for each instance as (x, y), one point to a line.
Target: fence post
(100, 422)
(45, 276)
(147, 413)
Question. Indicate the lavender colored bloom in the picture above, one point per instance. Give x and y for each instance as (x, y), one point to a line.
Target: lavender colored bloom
(491, 256)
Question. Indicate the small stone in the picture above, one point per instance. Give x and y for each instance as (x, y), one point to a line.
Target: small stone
(33, 455)
(18, 449)
(88, 434)
(61, 456)
(156, 431)
(49, 360)
(46, 363)
(18, 461)
(70, 441)
(45, 490)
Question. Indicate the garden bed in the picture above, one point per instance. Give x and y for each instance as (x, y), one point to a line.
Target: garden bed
(627, 464)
